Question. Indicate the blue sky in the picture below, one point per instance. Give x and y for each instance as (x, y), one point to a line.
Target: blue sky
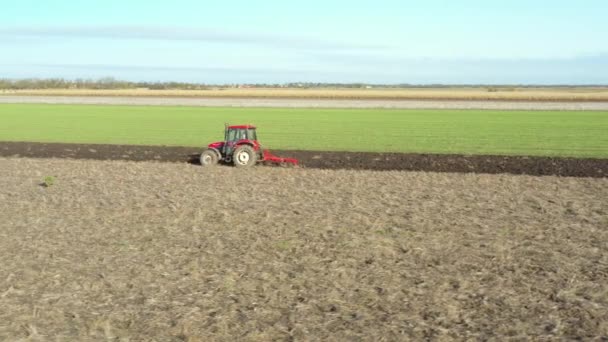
(382, 41)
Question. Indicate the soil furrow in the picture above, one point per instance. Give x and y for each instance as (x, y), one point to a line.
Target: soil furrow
(538, 166)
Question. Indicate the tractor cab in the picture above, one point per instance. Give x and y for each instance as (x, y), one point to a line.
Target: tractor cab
(243, 132)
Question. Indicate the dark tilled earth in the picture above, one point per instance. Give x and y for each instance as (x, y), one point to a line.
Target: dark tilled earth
(148, 251)
(538, 166)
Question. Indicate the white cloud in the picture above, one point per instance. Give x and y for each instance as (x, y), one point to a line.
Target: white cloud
(176, 33)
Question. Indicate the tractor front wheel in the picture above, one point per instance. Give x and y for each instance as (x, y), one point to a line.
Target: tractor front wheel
(209, 158)
(244, 156)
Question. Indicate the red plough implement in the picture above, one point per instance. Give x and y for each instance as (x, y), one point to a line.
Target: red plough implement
(269, 157)
(242, 148)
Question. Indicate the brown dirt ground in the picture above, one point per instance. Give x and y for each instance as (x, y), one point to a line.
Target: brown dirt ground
(170, 252)
(328, 160)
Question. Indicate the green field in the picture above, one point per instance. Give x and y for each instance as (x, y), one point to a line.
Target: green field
(556, 133)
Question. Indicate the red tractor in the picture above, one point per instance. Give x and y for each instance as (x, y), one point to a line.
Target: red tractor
(240, 147)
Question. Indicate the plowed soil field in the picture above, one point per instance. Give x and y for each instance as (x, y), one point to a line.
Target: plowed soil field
(576, 167)
(126, 250)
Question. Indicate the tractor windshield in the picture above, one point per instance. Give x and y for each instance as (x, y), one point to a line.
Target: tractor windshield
(236, 134)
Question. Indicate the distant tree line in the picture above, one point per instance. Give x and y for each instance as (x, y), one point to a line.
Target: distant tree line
(112, 83)
(102, 83)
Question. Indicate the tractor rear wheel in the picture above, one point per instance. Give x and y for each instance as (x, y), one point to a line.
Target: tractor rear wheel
(244, 156)
(209, 158)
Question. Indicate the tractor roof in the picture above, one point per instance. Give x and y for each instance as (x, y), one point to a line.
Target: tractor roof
(242, 127)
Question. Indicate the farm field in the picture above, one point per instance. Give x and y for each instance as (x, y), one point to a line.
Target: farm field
(282, 102)
(378, 161)
(455, 93)
(485, 132)
(125, 250)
